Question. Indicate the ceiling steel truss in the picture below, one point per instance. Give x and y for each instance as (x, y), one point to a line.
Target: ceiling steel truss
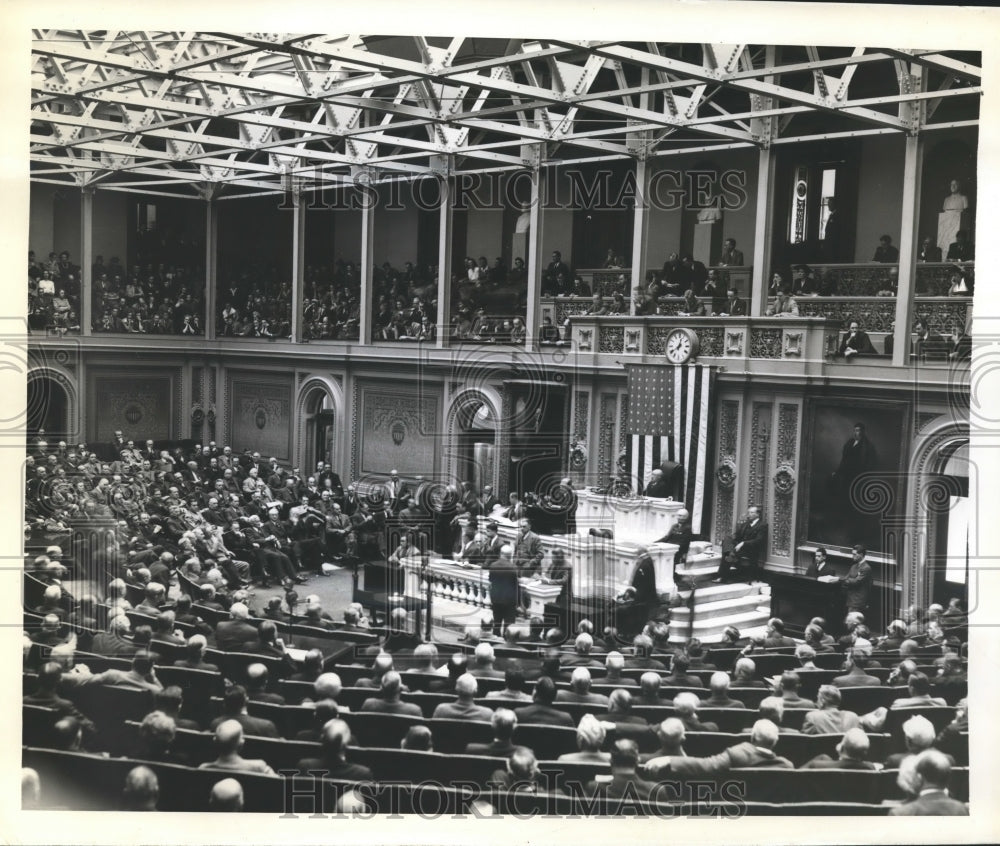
(196, 110)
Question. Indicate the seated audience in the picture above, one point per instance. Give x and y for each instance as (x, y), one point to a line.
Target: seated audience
(229, 742)
(590, 734)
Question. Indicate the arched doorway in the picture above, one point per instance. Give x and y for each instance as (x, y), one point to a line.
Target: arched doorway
(475, 436)
(320, 428)
(48, 408)
(952, 531)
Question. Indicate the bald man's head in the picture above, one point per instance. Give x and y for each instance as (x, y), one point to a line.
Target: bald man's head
(229, 737)
(466, 686)
(327, 686)
(226, 795)
(334, 738)
(854, 745)
(142, 789)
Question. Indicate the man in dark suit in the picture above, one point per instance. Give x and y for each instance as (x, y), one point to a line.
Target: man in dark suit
(731, 257)
(397, 493)
(855, 342)
(928, 250)
(819, 566)
(745, 549)
(503, 723)
(680, 534)
(542, 712)
(389, 701)
(334, 764)
(556, 267)
(625, 782)
(236, 635)
(734, 306)
(886, 252)
(961, 249)
(234, 707)
(775, 634)
(857, 660)
(858, 581)
(504, 588)
(933, 773)
(488, 499)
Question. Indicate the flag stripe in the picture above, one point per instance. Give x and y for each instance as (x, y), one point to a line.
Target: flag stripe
(670, 419)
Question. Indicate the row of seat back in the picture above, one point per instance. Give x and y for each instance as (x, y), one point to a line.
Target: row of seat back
(108, 706)
(453, 764)
(77, 781)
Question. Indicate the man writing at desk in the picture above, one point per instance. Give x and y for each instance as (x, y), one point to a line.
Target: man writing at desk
(820, 566)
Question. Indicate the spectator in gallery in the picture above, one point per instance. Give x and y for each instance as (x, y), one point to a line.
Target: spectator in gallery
(692, 306)
(731, 257)
(783, 306)
(548, 334)
(733, 305)
(597, 306)
(928, 250)
(803, 281)
(885, 252)
(713, 290)
(855, 342)
(961, 248)
(618, 304)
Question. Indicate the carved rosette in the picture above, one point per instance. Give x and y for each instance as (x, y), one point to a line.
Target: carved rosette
(725, 473)
(784, 479)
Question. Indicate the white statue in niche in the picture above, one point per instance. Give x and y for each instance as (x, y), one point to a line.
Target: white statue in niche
(951, 217)
(712, 212)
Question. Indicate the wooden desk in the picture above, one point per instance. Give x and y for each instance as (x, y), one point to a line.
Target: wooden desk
(796, 599)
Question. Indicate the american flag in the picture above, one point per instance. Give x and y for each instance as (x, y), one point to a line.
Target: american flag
(670, 417)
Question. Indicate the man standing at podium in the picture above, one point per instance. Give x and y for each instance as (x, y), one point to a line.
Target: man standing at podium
(679, 534)
(527, 552)
(504, 588)
(641, 598)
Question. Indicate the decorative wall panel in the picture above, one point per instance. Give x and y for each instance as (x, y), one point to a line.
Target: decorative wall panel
(261, 417)
(785, 477)
(725, 469)
(141, 406)
(606, 436)
(398, 429)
